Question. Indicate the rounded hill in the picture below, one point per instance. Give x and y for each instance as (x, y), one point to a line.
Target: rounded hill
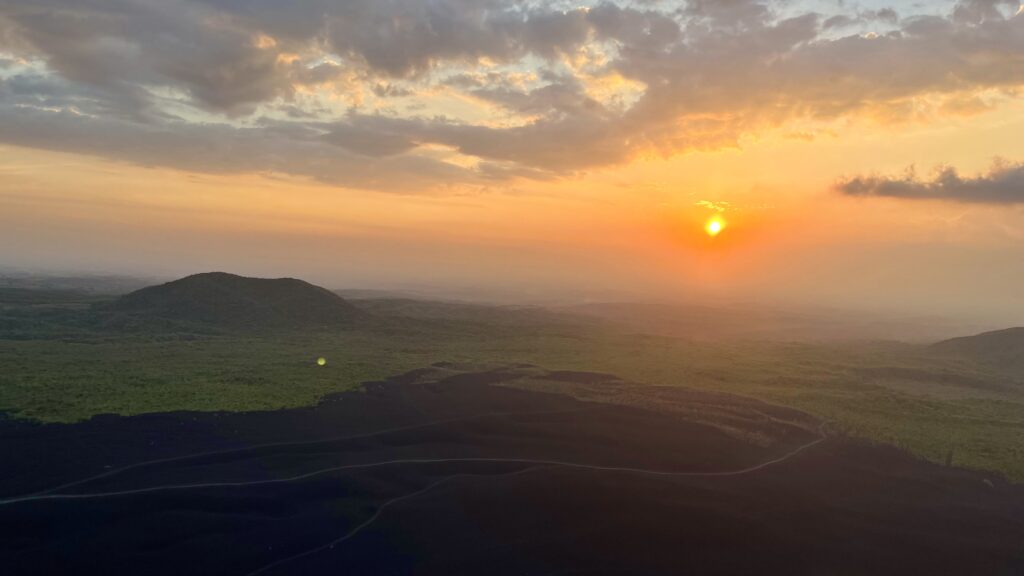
(1002, 349)
(228, 300)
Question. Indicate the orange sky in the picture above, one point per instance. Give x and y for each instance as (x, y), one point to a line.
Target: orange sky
(470, 204)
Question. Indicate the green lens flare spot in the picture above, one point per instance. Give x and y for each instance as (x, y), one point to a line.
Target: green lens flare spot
(321, 361)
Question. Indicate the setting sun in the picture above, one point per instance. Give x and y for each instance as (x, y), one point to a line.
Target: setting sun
(714, 226)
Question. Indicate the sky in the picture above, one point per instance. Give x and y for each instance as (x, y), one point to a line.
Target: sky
(865, 155)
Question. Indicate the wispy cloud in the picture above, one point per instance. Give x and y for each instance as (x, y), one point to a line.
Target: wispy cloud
(715, 206)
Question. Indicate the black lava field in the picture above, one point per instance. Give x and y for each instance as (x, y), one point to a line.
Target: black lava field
(463, 475)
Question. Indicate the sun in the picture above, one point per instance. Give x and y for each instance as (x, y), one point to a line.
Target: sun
(714, 226)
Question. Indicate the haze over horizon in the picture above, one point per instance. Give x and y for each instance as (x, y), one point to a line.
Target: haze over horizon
(862, 155)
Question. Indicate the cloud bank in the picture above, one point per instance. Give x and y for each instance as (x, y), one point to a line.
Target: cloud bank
(1003, 184)
(411, 94)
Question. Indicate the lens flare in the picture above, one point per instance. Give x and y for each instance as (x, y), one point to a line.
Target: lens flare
(321, 361)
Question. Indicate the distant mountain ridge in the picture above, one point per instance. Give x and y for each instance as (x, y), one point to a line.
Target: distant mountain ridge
(228, 300)
(1002, 348)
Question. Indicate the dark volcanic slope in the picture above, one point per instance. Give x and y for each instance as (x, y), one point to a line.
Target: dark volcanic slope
(1003, 348)
(459, 477)
(227, 300)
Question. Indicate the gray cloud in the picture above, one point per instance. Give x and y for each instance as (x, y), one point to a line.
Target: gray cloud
(977, 11)
(883, 15)
(139, 72)
(283, 148)
(565, 96)
(399, 38)
(127, 46)
(1003, 184)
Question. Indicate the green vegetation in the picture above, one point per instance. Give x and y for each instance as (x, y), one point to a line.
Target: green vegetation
(57, 365)
(935, 408)
(54, 380)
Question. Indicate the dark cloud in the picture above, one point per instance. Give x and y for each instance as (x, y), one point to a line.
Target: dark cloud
(56, 93)
(375, 135)
(883, 15)
(149, 75)
(887, 15)
(979, 11)
(730, 15)
(299, 149)
(388, 90)
(563, 96)
(1003, 184)
(400, 38)
(638, 30)
(125, 46)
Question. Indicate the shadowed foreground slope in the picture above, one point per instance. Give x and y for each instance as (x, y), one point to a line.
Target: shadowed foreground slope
(439, 472)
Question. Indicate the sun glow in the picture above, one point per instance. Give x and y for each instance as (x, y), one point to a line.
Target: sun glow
(714, 226)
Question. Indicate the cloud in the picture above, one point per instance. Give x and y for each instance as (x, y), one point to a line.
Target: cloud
(1002, 184)
(565, 96)
(126, 47)
(719, 207)
(363, 84)
(281, 148)
(882, 16)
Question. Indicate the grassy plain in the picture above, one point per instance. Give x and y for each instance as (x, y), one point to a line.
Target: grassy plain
(55, 366)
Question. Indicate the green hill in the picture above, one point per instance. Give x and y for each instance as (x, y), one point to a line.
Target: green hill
(1002, 349)
(230, 301)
